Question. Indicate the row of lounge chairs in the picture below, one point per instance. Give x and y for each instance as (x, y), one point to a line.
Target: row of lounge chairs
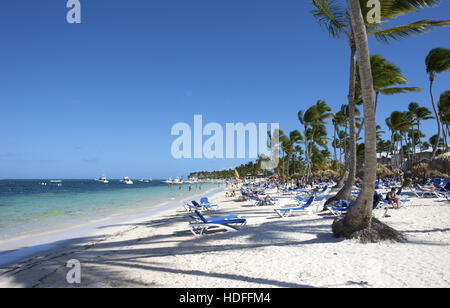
(234, 223)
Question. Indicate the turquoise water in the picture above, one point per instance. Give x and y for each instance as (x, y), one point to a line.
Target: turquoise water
(26, 206)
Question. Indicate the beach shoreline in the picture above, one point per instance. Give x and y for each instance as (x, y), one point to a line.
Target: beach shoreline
(298, 251)
(15, 248)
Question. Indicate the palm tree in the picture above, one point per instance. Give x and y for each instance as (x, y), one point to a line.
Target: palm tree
(288, 144)
(385, 78)
(418, 114)
(358, 221)
(421, 114)
(437, 61)
(401, 123)
(313, 121)
(444, 113)
(335, 19)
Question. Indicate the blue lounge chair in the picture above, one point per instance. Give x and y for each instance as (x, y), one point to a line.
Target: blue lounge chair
(194, 205)
(420, 193)
(288, 211)
(339, 207)
(232, 223)
(204, 201)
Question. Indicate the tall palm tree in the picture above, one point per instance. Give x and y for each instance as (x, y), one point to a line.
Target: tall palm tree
(437, 61)
(335, 19)
(444, 114)
(422, 114)
(288, 144)
(401, 123)
(313, 121)
(358, 222)
(418, 114)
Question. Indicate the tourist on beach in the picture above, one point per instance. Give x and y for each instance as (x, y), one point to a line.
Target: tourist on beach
(392, 198)
(267, 197)
(426, 188)
(190, 187)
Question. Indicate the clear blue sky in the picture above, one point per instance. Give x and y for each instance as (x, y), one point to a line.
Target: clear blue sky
(77, 100)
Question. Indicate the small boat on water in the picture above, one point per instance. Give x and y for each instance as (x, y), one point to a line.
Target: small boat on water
(126, 180)
(42, 183)
(168, 181)
(102, 179)
(144, 181)
(177, 181)
(55, 181)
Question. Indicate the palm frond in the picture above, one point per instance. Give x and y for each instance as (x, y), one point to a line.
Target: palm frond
(331, 17)
(395, 8)
(403, 31)
(398, 90)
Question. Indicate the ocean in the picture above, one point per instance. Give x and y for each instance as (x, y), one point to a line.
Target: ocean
(26, 207)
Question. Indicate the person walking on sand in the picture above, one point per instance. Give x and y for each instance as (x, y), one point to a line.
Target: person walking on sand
(392, 198)
(190, 187)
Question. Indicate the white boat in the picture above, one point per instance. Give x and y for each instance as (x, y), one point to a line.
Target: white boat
(102, 179)
(192, 181)
(55, 181)
(144, 181)
(177, 181)
(126, 180)
(168, 181)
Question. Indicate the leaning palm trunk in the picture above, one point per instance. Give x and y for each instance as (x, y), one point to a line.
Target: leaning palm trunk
(346, 191)
(358, 222)
(436, 144)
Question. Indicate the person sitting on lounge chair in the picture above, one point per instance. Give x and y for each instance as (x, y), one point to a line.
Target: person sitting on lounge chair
(392, 198)
(426, 188)
(266, 198)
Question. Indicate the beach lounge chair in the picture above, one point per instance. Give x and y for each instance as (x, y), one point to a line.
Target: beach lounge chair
(204, 201)
(258, 202)
(420, 193)
(285, 212)
(323, 191)
(194, 205)
(204, 206)
(231, 223)
(339, 207)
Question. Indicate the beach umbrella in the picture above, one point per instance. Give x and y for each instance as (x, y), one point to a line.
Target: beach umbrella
(425, 169)
(383, 171)
(441, 164)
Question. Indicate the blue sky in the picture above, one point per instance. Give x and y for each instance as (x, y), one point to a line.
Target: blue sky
(101, 96)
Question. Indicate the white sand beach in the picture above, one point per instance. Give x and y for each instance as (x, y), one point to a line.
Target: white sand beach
(297, 251)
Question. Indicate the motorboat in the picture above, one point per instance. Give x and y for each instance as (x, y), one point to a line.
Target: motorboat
(126, 180)
(177, 181)
(102, 179)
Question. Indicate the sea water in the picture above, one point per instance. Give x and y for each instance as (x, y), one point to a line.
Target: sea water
(27, 207)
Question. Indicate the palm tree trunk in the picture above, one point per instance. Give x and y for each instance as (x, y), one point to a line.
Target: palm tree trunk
(346, 191)
(436, 144)
(358, 222)
(376, 101)
(334, 147)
